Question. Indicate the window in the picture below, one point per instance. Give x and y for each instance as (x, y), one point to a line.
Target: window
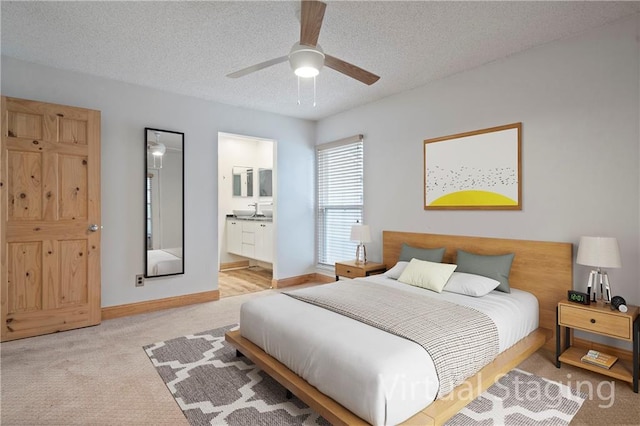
(340, 168)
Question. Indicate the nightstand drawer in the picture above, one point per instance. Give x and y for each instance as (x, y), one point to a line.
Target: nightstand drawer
(596, 321)
(349, 271)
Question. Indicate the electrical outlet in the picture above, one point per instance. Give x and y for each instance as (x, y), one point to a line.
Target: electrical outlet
(140, 280)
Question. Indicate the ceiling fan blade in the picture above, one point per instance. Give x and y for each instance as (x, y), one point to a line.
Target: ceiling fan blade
(258, 67)
(311, 17)
(350, 70)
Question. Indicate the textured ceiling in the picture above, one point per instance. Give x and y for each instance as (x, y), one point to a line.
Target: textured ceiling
(190, 47)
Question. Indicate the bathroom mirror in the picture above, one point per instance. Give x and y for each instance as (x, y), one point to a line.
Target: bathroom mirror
(265, 179)
(164, 203)
(242, 181)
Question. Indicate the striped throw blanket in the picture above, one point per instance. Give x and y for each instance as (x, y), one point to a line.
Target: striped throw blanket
(459, 339)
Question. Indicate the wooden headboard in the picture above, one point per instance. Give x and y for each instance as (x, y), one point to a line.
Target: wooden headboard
(542, 268)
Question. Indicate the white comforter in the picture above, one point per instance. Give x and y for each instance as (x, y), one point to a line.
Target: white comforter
(164, 261)
(383, 378)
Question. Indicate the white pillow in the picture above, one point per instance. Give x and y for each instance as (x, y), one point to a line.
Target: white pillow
(395, 272)
(425, 274)
(470, 284)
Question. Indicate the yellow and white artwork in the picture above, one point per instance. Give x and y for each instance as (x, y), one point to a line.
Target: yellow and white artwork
(474, 170)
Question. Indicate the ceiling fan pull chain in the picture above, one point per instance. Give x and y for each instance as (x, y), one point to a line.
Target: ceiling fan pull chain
(298, 89)
(155, 164)
(314, 90)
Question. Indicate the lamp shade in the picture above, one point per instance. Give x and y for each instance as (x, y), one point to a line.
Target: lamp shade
(361, 233)
(602, 252)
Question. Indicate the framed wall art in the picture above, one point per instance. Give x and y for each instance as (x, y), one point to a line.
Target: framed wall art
(479, 170)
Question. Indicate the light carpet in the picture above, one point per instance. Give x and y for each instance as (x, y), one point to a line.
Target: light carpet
(214, 387)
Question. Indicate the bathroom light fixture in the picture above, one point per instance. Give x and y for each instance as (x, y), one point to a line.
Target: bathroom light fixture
(599, 252)
(362, 234)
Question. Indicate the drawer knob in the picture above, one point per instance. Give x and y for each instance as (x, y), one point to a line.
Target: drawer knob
(348, 271)
(593, 321)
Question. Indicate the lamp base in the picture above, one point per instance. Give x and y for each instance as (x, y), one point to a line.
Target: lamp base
(600, 279)
(361, 254)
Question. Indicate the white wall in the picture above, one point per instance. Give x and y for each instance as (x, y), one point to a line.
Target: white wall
(126, 111)
(579, 102)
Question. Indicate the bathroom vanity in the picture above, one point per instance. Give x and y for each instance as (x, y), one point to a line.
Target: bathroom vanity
(251, 237)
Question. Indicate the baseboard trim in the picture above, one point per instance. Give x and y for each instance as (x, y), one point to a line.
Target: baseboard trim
(234, 265)
(302, 279)
(119, 311)
(325, 278)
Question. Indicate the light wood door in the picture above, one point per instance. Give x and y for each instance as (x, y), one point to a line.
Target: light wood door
(50, 197)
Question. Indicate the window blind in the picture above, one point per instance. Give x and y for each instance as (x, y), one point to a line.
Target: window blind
(340, 180)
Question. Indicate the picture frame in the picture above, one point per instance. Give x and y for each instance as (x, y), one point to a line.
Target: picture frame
(477, 170)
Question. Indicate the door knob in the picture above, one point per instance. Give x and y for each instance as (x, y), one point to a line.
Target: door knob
(94, 227)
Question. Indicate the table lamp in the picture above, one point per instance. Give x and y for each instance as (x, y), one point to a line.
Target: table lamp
(361, 234)
(599, 252)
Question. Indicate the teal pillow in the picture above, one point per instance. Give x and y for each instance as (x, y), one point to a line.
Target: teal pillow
(497, 267)
(431, 255)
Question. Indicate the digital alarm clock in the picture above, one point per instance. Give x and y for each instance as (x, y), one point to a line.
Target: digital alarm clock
(578, 297)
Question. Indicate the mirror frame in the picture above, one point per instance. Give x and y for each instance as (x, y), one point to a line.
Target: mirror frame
(146, 171)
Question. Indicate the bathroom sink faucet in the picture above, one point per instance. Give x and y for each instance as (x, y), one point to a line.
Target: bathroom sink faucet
(257, 205)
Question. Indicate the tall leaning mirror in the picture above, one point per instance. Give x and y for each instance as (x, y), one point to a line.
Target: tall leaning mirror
(164, 203)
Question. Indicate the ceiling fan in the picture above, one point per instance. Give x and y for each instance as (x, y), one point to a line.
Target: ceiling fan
(307, 57)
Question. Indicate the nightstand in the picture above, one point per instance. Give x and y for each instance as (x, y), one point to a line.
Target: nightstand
(599, 319)
(351, 269)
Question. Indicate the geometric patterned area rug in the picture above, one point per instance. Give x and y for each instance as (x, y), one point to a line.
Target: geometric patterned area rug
(521, 398)
(214, 387)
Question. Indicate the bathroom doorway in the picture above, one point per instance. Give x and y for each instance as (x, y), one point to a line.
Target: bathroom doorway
(246, 214)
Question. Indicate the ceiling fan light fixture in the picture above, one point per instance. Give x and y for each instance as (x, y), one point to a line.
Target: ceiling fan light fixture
(306, 57)
(157, 149)
(306, 61)
(306, 72)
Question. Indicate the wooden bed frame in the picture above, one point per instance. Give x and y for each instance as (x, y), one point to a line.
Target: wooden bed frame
(544, 269)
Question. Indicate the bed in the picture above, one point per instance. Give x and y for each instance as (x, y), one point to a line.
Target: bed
(541, 272)
(164, 261)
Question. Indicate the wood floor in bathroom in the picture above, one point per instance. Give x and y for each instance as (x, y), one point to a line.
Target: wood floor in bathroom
(232, 282)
